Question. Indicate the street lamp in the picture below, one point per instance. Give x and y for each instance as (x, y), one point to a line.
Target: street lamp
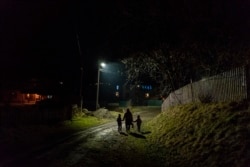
(102, 65)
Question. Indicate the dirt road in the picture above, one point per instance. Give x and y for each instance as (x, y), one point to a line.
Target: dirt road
(97, 146)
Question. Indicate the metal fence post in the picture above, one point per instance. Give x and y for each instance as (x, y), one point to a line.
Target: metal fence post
(247, 81)
(192, 93)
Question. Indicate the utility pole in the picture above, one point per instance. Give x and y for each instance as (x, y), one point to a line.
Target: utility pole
(97, 89)
(81, 97)
(100, 66)
(81, 77)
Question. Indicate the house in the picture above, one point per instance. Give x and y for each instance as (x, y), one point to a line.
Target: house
(29, 91)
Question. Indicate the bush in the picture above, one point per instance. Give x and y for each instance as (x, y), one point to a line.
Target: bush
(77, 112)
(205, 98)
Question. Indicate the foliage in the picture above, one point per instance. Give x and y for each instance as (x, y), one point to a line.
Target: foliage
(77, 112)
(172, 67)
(163, 66)
(205, 98)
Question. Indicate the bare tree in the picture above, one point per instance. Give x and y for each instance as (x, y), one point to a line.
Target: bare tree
(172, 68)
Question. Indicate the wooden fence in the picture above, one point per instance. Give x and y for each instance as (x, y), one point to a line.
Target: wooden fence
(232, 85)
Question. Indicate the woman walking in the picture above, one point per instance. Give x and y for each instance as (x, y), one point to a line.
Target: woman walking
(128, 117)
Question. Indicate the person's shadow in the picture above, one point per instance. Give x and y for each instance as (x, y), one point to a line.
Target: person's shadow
(137, 135)
(123, 133)
(146, 132)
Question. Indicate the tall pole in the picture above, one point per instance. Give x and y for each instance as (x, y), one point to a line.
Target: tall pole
(80, 54)
(81, 97)
(102, 65)
(97, 90)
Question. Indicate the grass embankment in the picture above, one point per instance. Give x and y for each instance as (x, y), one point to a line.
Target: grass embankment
(207, 135)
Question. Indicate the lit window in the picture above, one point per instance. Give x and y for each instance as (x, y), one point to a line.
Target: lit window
(49, 96)
(37, 96)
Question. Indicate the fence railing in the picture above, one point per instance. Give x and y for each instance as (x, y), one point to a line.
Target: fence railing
(227, 86)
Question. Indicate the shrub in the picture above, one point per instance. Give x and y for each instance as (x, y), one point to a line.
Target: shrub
(205, 98)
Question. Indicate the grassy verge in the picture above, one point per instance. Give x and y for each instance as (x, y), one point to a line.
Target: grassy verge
(81, 123)
(205, 135)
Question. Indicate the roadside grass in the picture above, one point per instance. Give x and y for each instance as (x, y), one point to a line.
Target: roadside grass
(207, 135)
(81, 123)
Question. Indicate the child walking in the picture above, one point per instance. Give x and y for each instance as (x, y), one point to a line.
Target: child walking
(138, 123)
(119, 123)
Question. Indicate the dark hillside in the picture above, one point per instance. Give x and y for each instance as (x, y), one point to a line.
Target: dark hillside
(207, 135)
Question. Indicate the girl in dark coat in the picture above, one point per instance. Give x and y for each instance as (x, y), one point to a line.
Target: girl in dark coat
(119, 123)
(138, 123)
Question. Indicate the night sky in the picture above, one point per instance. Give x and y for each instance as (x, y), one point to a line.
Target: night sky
(38, 38)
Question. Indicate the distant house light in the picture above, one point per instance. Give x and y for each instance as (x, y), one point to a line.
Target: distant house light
(117, 94)
(49, 96)
(61, 82)
(147, 95)
(37, 96)
(146, 87)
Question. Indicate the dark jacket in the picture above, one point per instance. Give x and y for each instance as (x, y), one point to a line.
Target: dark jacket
(128, 117)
